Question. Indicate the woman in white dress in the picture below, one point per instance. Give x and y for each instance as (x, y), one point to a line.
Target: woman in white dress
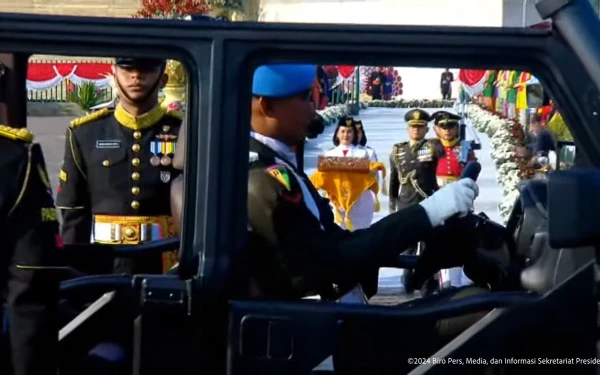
(345, 139)
(362, 140)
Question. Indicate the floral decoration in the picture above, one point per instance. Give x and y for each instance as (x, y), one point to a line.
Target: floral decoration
(172, 9)
(506, 136)
(411, 103)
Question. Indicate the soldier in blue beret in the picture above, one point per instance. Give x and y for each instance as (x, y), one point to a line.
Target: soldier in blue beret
(296, 248)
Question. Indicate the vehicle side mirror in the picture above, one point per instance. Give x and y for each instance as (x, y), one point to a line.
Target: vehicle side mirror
(574, 208)
(565, 155)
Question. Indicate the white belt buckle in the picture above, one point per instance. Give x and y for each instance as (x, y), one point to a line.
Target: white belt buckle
(114, 232)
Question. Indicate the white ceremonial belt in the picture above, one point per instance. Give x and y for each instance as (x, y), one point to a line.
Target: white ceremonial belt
(128, 230)
(114, 233)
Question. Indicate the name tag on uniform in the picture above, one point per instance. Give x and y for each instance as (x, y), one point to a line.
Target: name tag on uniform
(108, 144)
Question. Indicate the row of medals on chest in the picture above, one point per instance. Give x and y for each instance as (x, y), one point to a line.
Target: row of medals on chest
(162, 148)
(425, 154)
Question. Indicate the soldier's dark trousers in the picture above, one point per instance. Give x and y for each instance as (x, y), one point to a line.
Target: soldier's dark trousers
(446, 93)
(427, 289)
(431, 285)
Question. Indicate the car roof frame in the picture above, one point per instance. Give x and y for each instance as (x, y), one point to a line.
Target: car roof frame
(220, 55)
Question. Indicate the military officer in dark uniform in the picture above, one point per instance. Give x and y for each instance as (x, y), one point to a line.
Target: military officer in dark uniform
(29, 258)
(117, 169)
(296, 249)
(413, 174)
(413, 164)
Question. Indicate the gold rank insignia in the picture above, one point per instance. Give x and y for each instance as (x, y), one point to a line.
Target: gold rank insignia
(349, 122)
(17, 134)
(49, 215)
(416, 115)
(89, 118)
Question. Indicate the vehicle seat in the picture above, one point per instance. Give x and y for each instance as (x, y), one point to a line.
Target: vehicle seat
(553, 266)
(533, 205)
(547, 267)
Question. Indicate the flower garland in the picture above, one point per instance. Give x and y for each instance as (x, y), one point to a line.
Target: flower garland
(333, 113)
(411, 103)
(505, 135)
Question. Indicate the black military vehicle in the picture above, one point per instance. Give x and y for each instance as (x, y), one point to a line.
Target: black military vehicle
(186, 322)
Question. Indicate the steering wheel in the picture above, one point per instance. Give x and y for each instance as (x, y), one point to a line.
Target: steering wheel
(482, 247)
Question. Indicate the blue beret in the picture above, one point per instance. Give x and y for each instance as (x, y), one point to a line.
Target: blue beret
(283, 80)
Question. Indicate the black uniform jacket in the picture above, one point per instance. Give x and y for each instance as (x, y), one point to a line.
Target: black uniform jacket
(416, 163)
(295, 254)
(118, 165)
(30, 265)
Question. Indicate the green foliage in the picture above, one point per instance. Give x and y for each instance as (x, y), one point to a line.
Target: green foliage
(88, 95)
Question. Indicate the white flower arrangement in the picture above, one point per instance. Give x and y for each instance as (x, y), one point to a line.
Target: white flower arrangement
(411, 103)
(332, 114)
(503, 153)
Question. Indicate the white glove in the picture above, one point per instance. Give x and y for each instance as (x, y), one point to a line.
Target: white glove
(454, 198)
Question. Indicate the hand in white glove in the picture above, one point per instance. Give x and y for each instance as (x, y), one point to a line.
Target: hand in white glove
(454, 198)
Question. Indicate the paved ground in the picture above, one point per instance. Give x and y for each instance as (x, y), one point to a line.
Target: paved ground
(50, 133)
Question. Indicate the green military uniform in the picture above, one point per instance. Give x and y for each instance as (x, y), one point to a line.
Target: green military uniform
(296, 247)
(29, 263)
(413, 166)
(115, 180)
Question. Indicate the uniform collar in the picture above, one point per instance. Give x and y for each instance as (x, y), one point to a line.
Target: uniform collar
(141, 122)
(451, 143)
(279, 147)
(346, 147)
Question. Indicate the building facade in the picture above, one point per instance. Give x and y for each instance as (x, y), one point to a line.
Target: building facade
(91, 8)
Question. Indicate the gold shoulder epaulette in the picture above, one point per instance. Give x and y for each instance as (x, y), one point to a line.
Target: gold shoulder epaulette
(17, 134)
(176, 114)
(89, 118)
